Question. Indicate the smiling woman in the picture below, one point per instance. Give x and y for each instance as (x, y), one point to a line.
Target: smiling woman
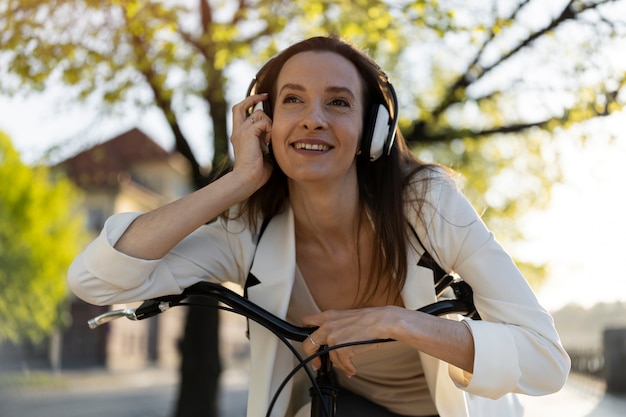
(353, 227)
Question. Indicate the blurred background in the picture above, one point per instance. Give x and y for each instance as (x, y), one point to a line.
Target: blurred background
(110, 106)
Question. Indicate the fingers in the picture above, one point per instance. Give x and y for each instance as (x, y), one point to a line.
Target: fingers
(250, 137)
(242, 110)
(310, 347)
(334, 328)
(261, 125)
(341, 358)
(256, 123)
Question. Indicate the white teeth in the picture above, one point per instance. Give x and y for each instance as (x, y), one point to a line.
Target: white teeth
(311, 146)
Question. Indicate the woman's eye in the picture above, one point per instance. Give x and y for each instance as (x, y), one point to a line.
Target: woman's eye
(291, 99)
(340, 102)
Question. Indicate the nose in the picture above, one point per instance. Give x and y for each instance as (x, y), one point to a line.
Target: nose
(314, 118)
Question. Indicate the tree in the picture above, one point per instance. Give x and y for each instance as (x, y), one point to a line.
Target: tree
(464, 98)
(41, 230)
(526, 71)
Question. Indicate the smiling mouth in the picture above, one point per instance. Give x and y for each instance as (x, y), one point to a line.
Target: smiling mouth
(311, 146)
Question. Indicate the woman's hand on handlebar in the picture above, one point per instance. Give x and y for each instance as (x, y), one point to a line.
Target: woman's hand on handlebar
(342, 326)
(448, 340)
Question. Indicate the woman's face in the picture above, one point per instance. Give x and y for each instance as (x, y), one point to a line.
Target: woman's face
(318, 117)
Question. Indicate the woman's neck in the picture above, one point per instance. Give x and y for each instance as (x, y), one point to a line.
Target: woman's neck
(323, 213)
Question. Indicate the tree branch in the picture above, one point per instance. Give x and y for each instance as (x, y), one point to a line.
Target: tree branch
(419, 133)
(165, 104)
(475, 72)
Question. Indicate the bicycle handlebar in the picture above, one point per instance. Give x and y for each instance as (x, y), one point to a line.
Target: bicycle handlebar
(463, 304)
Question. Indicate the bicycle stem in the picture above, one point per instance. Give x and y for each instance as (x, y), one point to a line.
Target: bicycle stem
(324, 400)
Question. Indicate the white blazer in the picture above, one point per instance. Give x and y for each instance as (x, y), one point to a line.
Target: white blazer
(517, 349)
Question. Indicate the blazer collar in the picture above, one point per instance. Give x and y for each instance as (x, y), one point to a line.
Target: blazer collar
(418, 289)
(274, 265)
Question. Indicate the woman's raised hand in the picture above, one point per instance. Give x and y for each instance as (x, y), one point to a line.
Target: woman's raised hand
(251, 136)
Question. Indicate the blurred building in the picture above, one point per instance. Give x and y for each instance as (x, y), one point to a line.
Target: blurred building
(127, 173)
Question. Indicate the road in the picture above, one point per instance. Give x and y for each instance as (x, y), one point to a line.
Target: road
(581, 397)
(149, 393)
(152, 394)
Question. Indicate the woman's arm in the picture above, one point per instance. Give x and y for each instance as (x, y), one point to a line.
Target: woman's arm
(448, 340)
(152, 235)
(155, 233)
(139, 256)
(516, 347)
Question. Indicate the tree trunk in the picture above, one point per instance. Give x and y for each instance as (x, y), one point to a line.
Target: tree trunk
(199, 348)
(200, 366)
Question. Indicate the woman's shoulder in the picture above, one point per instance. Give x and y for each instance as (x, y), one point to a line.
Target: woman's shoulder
(435, 194)
(431, 180)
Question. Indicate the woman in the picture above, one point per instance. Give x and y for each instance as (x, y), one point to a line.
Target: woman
(349, 212)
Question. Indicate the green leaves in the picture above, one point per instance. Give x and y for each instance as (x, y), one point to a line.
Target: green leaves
(41, 230)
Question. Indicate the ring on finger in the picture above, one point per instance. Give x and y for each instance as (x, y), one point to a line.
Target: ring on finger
(313, 342)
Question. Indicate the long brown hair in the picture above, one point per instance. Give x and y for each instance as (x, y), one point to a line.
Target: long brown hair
(382, 182)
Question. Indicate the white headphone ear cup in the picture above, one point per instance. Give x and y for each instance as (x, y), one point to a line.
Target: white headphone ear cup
(379, 133)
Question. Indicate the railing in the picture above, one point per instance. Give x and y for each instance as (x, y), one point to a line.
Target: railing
(589, 362)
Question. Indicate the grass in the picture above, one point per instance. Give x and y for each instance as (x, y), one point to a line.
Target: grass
(29, 379)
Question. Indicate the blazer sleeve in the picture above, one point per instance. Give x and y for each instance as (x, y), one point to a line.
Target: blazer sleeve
(517, 348)
(102, 275)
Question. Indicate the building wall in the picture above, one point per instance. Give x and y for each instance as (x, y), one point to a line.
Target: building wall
(127, 343)
(124, 344)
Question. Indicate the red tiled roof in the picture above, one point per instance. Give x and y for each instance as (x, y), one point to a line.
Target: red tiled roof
(105, 164)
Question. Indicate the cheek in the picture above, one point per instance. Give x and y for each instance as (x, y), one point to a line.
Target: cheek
(279, 135)
(278, 142)
(356, 133)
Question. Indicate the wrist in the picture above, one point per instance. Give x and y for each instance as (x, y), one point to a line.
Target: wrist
(241, 186)
(395, 322)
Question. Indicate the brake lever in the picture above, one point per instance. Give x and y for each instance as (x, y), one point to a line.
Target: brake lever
(149, 308)
(129, 313)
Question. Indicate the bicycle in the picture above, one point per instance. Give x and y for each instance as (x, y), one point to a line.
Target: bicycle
(323, 391)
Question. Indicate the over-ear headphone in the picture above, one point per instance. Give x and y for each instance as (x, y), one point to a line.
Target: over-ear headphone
(379, 130)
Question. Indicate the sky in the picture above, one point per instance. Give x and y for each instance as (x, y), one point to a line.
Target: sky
(581, 236)
(39, 122)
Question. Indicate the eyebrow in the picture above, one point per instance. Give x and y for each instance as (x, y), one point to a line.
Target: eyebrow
(331, 89)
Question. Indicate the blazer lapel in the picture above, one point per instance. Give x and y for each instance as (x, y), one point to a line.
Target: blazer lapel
(418, 289)
(274, 265)
(274, 268)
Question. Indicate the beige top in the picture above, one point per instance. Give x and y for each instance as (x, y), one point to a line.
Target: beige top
(391, 375)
